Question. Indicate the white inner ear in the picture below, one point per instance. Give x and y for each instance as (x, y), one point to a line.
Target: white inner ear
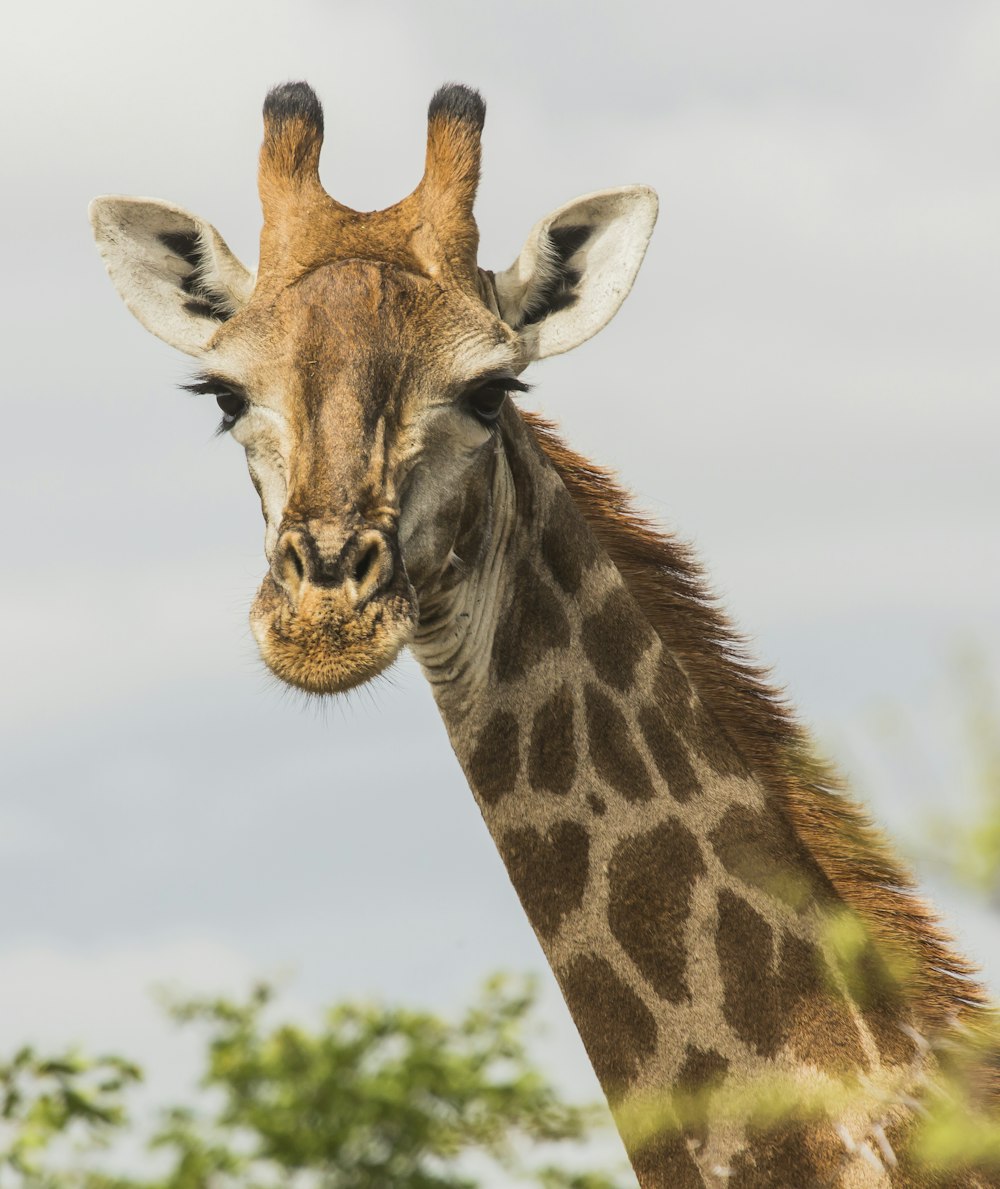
(172, 269)
(576, 268)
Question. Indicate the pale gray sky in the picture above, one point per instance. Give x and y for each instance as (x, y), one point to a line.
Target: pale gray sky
(804, 381)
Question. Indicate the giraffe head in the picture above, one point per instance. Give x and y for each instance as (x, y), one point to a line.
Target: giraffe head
(365, 366)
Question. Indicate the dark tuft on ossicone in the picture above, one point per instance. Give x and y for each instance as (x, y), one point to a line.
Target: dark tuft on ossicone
(455, 101)
(293, 101)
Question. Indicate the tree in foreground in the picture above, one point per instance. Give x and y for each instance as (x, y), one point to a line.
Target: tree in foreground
(374, 1097)
(70, 1102)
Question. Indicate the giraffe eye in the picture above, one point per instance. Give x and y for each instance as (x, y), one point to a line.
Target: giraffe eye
(233, 406)
(486, 401)
(229, 398)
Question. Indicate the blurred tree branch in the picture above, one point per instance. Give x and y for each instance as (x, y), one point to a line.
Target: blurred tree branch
(375, 1096)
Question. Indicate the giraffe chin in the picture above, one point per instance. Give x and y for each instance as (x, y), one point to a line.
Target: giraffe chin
(325, 646)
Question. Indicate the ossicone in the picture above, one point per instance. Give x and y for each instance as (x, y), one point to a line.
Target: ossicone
(456, 101)
(432, 231)
(293, 134)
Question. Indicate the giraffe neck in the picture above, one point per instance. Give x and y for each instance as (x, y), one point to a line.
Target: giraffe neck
(682, 917)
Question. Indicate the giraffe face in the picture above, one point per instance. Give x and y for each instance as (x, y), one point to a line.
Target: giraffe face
(364, 366)
(364, 397)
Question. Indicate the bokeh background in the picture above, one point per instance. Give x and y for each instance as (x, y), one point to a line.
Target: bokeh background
(804, 381)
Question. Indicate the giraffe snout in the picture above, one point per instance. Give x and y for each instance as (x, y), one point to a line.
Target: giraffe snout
(360, 567)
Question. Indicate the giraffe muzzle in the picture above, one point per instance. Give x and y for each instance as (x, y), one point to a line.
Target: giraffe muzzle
(335, 608)
(361, 569)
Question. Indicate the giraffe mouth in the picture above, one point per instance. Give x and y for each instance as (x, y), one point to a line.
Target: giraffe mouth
(326, 645)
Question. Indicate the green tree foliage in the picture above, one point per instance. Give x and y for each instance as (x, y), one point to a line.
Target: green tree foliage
(374, 1097)
(67, 1101)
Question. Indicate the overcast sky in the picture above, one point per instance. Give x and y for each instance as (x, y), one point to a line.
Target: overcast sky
(804, 381)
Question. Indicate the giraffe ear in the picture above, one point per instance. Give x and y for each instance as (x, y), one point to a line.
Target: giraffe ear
(576, 269)
(172, 269)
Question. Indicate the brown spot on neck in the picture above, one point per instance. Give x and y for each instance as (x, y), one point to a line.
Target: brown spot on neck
(615, 638)
(778, 990)
(618, 1030)
(597, 804)
(549, 871)
(703, 1072)
(666, 1162)
(531, 626)
(789, 1157)
(752, 1002)
(495, 762)
(568, 546)
(668, 754)
(552, 755)
(651, 878)
(614, 754)
(759, 847)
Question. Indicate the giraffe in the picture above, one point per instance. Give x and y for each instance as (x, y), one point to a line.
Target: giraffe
(724, 923)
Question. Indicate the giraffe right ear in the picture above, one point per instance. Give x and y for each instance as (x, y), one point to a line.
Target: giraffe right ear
(576, 269)
(172, 269)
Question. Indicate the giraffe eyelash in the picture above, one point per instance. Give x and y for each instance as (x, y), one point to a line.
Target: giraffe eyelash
(230, 399)
(485, 399)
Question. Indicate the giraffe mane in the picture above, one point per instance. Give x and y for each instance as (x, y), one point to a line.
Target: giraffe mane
(853, 854)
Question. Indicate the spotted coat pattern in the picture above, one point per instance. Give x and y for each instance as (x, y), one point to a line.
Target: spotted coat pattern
(682, 917)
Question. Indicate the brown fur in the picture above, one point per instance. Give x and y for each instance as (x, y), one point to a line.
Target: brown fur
(849, 850)
(431, 232)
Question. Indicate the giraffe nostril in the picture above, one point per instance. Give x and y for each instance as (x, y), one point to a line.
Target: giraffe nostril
(365, 563)
(289, 568)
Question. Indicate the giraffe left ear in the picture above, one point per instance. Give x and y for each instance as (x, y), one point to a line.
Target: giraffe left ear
(576, 269)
